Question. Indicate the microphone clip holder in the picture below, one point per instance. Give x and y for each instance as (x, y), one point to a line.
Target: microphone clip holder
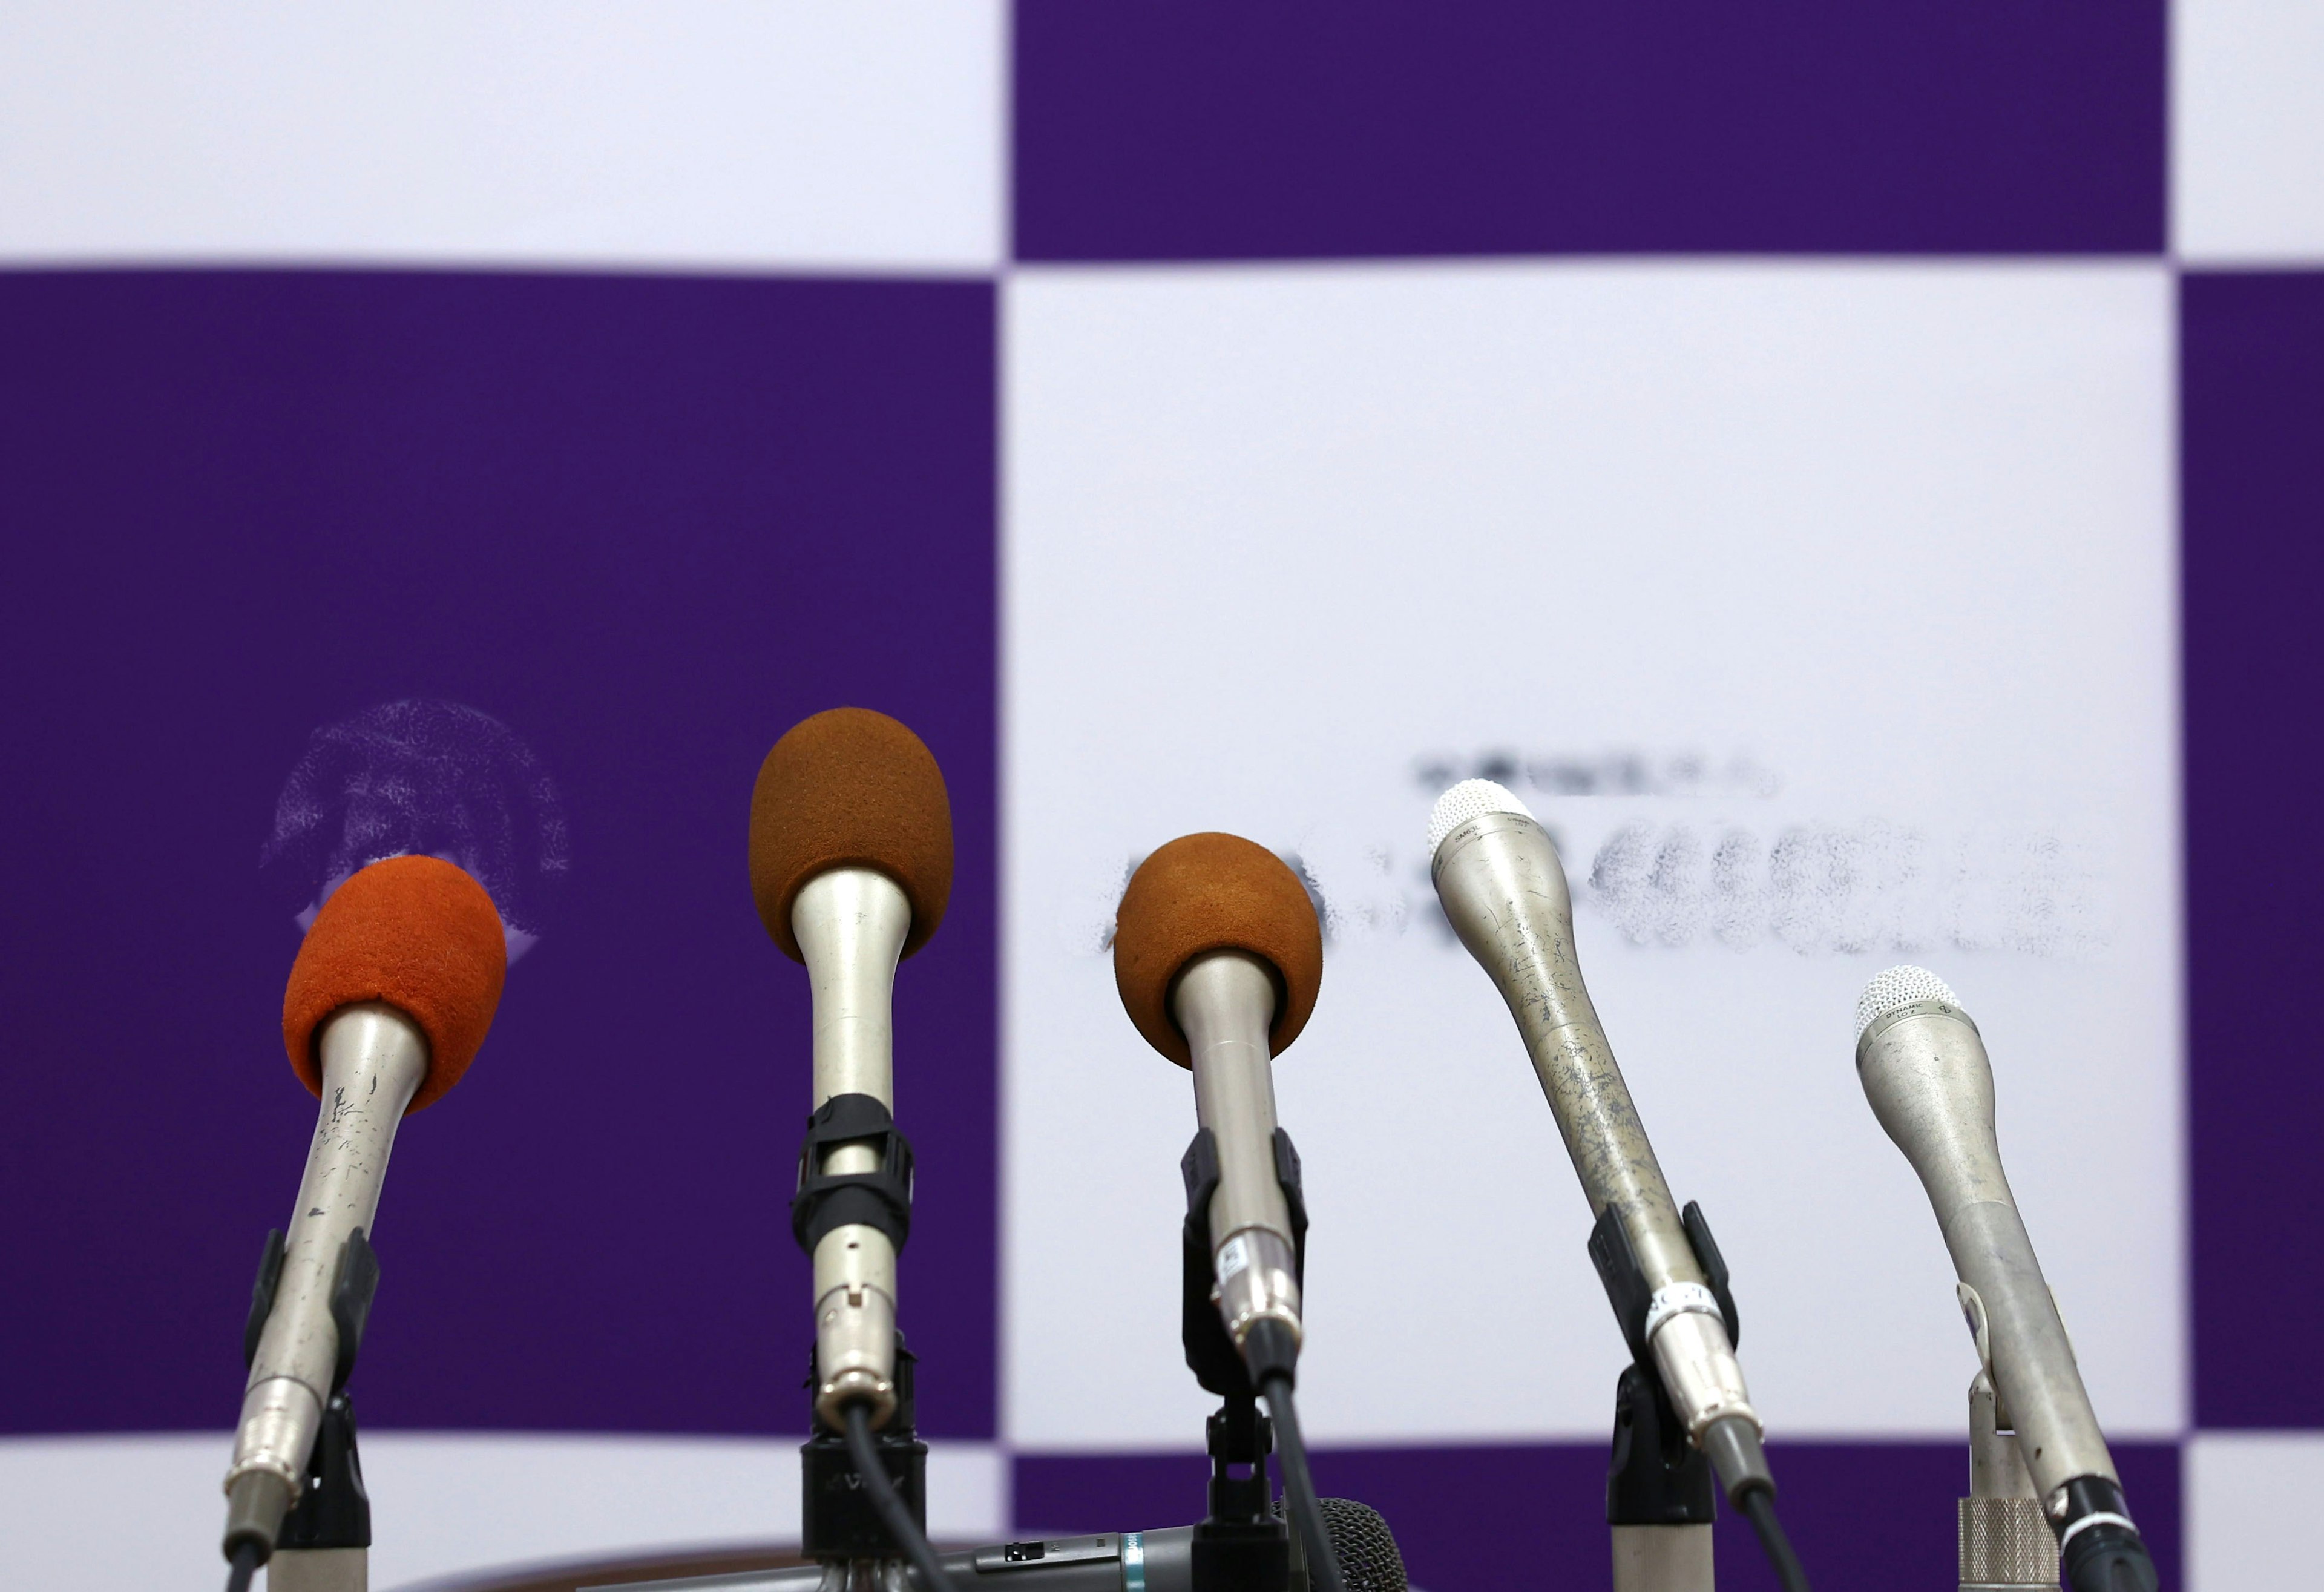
(1626, 1281)
(836, 1516)
(333, 1510)
(1241, 1545)
(881, 1199)
(1656, 1477)
(1210, 1354)
(837, 1519)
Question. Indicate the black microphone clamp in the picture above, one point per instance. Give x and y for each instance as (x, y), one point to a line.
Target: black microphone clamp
(1218, 1365)
(332, 1510)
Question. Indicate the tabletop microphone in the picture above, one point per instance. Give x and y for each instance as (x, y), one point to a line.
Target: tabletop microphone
(1504, 892)
(1218, 955)
(1925, 1069)
(850, 865)
(391, 993)
(1129, 1561)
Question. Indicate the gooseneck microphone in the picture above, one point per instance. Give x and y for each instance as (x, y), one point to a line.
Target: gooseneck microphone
(1218, 957)
(1505, 894)
(1925, 1069)
(392, 994)
(851, 866)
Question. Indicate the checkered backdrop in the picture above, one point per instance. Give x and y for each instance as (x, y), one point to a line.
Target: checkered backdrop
(1854, 472)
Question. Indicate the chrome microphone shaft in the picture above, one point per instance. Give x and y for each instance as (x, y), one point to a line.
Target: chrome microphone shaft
(1505, 894)
(373, 1059)
(851, 924)
(1224, 1003)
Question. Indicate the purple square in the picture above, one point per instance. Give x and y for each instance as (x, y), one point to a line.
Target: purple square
(2252, 487)
(1147, 132)
(647, 526)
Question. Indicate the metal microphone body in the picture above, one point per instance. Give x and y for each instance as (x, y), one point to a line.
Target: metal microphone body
(1224, 1003)
(1114, 1561)
(1505, 894)
(851, 924)
(374, 1057)
(1925, 1071)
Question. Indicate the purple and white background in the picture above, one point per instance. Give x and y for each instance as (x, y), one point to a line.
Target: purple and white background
(1859, 475)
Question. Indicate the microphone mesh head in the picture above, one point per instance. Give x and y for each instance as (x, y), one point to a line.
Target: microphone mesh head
(1896, 988)
(1369, 1561)
(1468, 800)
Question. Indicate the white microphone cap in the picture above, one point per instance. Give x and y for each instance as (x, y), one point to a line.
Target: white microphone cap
(1897, 988)
(1468, 800)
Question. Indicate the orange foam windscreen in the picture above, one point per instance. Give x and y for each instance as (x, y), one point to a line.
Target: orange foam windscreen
(850, 788)
(417, 933)
(1209, 892)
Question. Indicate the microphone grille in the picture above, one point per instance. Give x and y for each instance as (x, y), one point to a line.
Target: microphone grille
(1899, 987)
(1468, 800)
(1369, 1560)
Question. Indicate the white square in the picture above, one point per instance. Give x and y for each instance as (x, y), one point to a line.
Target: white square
(683, 134)
(2248, 131)
(1887, 548)
(453, 1508)
(2246, 1493)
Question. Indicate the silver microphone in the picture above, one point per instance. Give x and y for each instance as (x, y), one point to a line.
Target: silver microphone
(390, 994)
(373, 1059)
(1925, 1069)
(851, 924)
(1131, 1562)
(1218, 958)
(850, 864)
(1505, 894)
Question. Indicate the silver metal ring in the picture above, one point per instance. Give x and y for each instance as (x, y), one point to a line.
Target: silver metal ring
(1679, 1299)
(2100, 1517)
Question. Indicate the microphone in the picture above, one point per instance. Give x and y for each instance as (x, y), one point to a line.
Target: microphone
(1504, 892)
(851, 866)
(1136, 1561)
(390, 997)
(1925, 1069)
(1218, 958)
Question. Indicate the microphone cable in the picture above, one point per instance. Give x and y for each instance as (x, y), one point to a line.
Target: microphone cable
(242, 1566)
(1758, 1507)
(889, 1504)
(1299, 1483)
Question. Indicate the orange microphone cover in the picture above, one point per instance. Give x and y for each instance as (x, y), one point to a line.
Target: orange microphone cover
(414, 931)
(1209, 892)
(850, 788)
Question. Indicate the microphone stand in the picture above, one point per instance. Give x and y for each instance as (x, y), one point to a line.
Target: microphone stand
(2005, 1542)
(324, 1544)
(1661, 1495)
(1240, 1545)
(839, 1525)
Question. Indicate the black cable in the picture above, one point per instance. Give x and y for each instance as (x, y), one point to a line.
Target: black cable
(893, 1513)
(247, 1557)
(1758, 1507)
(1323, 1563)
